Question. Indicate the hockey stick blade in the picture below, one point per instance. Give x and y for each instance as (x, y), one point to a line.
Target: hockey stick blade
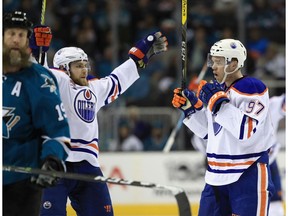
(183, 204)
(179, 193)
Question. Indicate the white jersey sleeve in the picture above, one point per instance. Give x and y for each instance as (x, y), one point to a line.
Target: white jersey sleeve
(109, 88)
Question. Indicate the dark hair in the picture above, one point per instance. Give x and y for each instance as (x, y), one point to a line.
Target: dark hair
(17, 19)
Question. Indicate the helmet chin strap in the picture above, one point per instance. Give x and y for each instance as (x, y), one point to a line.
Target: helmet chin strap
(227, 73)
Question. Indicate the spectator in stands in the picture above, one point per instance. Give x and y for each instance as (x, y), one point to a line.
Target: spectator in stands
(157, 140)
(127, 140)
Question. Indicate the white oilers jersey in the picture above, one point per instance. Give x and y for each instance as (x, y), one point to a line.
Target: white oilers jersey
(238, 135)
(277, 112)
(82, 103)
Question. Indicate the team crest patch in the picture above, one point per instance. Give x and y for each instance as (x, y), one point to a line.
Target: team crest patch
(49, 83)
(233, 45)
(9, 120)
(84, 105)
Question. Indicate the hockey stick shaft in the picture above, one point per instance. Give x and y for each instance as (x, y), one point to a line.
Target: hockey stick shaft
(179, 193)
(202, 73)
(173, 134)
(90, 178)
(171, 138)
(41, 53)
(184, 42)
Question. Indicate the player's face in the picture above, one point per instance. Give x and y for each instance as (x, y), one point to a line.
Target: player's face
(79, 72)
(15, 47)
(218, 64)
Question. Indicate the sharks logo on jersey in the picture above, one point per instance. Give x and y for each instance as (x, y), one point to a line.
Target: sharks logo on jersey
(9, 120)
(84, 105)
(49, 83)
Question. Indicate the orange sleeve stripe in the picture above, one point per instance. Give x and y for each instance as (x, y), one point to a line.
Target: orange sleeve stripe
(250, 127)
(115, 93)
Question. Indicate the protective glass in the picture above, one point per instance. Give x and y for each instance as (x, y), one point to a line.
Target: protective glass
(217, 61)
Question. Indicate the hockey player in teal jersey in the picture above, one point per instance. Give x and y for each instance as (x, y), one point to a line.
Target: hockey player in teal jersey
(35, 131)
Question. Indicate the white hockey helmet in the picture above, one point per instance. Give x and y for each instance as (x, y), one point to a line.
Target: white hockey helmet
(230, 48)
(66, 55)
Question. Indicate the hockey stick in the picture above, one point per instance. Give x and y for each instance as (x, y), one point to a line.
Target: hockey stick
(171, 138)
(173, 134)
(41, 53)
(179, 193)
(184, 43)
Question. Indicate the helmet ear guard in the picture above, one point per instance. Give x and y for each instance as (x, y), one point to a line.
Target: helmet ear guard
(17, 19)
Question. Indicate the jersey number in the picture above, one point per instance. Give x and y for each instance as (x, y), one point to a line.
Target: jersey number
(61, 112)
(256, 107)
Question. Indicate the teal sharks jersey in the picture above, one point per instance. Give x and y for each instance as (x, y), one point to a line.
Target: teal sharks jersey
(34, 123)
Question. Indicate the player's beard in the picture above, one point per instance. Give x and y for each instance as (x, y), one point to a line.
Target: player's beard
(16, 57)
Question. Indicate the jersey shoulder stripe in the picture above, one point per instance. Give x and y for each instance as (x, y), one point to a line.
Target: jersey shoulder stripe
(115, 77)
(248, 127)
(249, 86)
(115, 89)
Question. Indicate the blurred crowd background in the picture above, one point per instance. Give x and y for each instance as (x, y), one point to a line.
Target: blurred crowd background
(143, 117)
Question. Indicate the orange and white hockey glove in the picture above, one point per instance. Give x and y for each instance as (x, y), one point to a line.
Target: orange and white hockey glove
(186, 101)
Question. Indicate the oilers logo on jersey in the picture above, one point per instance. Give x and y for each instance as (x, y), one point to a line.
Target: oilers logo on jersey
(84, 105)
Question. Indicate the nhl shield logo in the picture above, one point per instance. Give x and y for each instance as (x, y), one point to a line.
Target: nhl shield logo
(84, 105)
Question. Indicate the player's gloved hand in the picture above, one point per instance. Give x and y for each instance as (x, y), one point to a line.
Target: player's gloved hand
(213, 95)
(144, 49)
(51, 163)
(186, 101)
(41, 37)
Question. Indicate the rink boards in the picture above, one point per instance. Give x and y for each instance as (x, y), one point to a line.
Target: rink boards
(181, 169)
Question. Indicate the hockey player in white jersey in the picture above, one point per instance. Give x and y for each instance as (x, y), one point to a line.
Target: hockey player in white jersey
(277, 112)
(239, 134)
(82, 100)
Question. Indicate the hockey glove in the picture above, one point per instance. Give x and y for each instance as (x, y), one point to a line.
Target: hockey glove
(41, 37)
(51, 163)
(213, 95)
(186, 101)
(144, 49)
